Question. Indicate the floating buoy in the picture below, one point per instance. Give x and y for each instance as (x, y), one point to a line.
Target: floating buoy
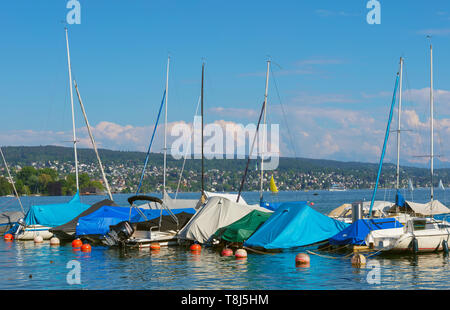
(312, 203)
(227, 252)
(8, 237)
(196, 247)
(54, 241)
(240, 253)
(76, 243)
(155, 246)
(86, 247)
(445, 246)
(302, 259)
(38, 239)
(358, 260)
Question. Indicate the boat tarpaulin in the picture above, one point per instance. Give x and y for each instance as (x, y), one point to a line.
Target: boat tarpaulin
(55, 214)
(98, 222)
(70, 227)
(357, 232)
(294, 224)
(218, 212)
(242, 229)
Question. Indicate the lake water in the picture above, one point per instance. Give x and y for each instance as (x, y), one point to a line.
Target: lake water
(25, 265)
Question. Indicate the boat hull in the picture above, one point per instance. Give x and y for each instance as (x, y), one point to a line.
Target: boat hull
(30, 232)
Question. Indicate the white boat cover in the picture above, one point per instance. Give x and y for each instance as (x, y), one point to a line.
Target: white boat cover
(218, 212)
(171, 203)
(232, 197)
(429, 208)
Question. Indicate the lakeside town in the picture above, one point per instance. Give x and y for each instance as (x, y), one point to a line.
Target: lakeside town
(57, 178)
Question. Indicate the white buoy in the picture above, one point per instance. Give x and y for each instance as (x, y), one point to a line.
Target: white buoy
(38, 239)
(54, 241)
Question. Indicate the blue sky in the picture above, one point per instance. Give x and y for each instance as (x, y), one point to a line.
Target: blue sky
(334, 72)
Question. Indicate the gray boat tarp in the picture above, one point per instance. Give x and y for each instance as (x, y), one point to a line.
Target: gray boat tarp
(68, 229)
(218, 212)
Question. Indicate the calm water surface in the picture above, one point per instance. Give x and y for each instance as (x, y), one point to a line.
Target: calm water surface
(25, 265)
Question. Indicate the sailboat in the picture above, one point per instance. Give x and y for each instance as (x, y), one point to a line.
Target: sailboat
(41, 219)
(441, 185)
(10, 218)
(272, 186)
(420, 233)
(174, 214)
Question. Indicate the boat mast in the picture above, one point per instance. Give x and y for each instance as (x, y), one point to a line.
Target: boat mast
(73, 115)
(398, 123)
(203, 169)
(12, 181)
(105, 180)
(264, 133)
(431, 126)
(165, 126)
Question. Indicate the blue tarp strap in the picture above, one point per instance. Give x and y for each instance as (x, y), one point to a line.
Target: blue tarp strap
(384, 146)
(150, 146)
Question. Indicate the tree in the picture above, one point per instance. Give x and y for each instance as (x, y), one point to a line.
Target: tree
(5, 187)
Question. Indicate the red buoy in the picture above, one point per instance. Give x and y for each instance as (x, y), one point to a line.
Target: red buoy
(8, 237)
(240, 254)
(76, 243)
(196, 247)
(86, 247)
(155, 246)
(227, 252)
(302, 259)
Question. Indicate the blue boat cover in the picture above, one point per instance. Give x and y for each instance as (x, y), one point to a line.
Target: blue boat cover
(357, 232)
(55, 214)
(294, 224)
(273, 205)
(98, 222)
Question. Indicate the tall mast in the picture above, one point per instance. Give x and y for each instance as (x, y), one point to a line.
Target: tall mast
(12, 181)
(264, 132)
(203, 168)
(73, 115)
(431, 125)
(165, 125)
(105, 180)
(399, 124)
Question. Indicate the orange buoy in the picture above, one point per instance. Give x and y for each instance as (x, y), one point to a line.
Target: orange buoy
(312, 203)
(8, 237)
(227, 252)
(76, 243)
(358, 260)
(240, 253)
(155, 246)
(196, 247)
(86, 247)
(302, 259)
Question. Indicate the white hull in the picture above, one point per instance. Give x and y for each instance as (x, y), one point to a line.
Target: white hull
(143, 239)
(30, 232)
(430, 238)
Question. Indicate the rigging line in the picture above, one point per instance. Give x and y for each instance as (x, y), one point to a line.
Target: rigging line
(151, 142)
(251, 151)
(284, 113)
(185, 154)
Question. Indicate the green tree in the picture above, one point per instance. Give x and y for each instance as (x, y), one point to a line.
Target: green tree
(5, 187)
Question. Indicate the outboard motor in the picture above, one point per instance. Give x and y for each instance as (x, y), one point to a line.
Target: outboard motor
(357, 211)
(118, 233)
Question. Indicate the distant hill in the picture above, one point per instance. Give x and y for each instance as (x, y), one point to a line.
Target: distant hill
(290, 172)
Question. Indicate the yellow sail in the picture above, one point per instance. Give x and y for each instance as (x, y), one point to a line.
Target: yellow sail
(273, 188)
